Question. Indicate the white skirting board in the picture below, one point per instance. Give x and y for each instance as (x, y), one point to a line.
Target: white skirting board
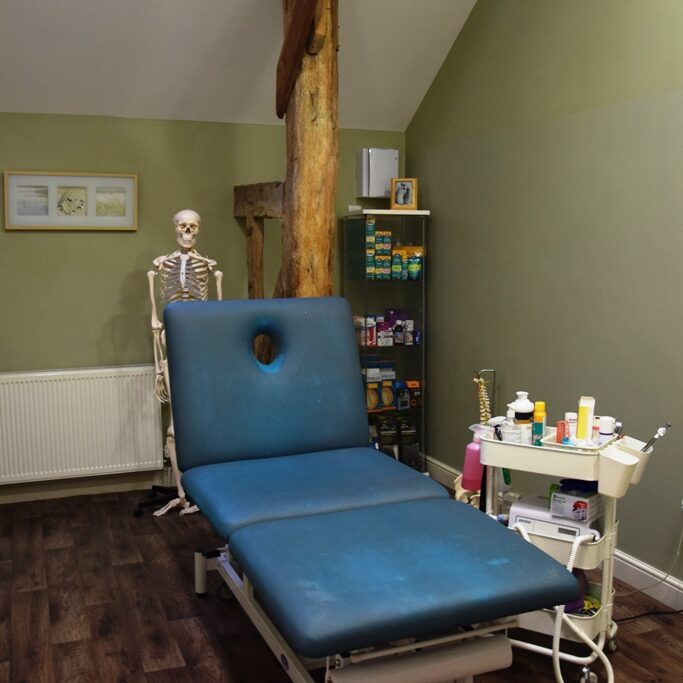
(441, 472)
(629, 569)
(640, 575)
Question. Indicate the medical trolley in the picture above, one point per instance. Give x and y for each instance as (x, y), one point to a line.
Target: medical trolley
(615, 466)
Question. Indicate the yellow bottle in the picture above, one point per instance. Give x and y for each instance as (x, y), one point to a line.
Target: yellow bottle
(584, 425)
(538, 425)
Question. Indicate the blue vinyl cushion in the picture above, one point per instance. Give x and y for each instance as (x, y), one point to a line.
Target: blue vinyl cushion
(236, 493)
(352, 579)
(228, 406)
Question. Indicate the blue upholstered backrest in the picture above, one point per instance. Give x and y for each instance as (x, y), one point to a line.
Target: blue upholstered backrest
(228, 406)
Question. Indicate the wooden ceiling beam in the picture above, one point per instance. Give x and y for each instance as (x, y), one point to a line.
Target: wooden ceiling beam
(261, 200)
(298, 21)
(320, 29)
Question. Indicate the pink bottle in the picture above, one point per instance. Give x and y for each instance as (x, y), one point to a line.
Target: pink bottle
(472, 469)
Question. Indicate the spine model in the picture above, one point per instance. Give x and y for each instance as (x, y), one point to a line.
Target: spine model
(484, 401)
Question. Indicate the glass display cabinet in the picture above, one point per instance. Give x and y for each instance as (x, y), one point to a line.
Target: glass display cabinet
(385, 271)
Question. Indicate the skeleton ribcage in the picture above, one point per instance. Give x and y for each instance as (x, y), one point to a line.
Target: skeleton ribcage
(184, 278)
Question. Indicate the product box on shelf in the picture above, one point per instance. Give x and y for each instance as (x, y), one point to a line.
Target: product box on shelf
(415, 390)
(402, 395)
(583, 507)
(373, 398)
(388, 396)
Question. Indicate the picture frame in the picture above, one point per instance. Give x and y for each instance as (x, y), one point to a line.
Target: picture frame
(47, 200)
(404, 193)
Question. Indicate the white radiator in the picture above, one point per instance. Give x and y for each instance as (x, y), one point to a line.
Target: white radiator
(76, 423)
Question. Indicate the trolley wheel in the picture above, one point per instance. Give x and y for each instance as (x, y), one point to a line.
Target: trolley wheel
(588, 676)
(613, 644)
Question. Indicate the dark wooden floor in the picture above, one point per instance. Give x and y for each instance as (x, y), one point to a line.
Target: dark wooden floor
(88, 593)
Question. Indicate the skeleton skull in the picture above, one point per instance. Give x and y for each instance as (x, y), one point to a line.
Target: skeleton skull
(187, 228)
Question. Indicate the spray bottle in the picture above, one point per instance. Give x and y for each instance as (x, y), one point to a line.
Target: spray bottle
(509, 429)
(473, 470)
(538, 426)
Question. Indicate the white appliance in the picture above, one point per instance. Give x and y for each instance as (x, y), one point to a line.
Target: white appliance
(375, 167)
(532, 513)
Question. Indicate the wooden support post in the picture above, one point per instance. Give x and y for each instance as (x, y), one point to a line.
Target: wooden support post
(311, 126)
(255, 203)
(255, 256)
(307, 94)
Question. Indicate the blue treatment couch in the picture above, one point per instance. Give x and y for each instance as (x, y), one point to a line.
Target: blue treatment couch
(334, 549)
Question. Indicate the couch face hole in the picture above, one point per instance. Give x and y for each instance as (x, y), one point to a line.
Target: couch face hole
(264, 349)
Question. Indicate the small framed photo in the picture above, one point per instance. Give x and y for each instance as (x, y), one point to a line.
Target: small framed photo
(70, 201)
(404, 193)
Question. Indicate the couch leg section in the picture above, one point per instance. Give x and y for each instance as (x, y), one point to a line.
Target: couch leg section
(204, 560)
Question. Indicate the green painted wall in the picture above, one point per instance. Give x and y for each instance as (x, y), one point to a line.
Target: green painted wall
(75, 299)
(549, 151)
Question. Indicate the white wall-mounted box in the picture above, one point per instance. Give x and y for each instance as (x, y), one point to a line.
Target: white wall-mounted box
(375, 167)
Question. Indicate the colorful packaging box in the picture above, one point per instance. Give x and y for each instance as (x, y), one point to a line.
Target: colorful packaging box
(580, 506)
(388, 395)
(415, 389)
(373, 399)
(385, 334)
(402, 395)
(397, 258)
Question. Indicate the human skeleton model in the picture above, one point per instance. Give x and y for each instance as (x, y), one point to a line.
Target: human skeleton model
(183, 276)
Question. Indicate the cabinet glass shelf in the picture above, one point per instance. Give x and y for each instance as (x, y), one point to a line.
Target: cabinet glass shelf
(373, 241)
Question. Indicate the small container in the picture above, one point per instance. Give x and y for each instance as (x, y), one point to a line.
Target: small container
(615, 471)
(370, 332)
(606, 428)
(571, 419)
(562, 431)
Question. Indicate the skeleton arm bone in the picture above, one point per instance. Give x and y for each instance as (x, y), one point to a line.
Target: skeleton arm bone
(219, 289)
(160, 384)
(156, 323)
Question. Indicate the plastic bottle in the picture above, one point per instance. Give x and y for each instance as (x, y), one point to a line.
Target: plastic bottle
(509, 429)
(472, 468)
(538, 426)
(607, 427)
(399, 332)
(524, 412)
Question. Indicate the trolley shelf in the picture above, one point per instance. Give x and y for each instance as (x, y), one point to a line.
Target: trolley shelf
(615, 465)
(540, 459)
